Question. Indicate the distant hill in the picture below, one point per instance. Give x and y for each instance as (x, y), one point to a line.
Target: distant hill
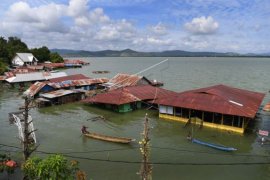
(132, 53)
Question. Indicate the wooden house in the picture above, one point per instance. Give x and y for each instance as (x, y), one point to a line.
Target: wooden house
(124, 80)
(219, 106)
(23, 59)
(129, 98)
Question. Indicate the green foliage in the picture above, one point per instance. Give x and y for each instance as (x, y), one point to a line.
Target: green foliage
(52, 167)
(42, 54)
(3, 66)
(3, 167)
(56, 58)
(3, 50)
(15, 45)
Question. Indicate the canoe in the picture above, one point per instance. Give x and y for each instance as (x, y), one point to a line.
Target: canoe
(215, 146)
(109, 138)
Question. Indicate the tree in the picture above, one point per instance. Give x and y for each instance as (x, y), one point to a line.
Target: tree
(56, 58)
(52, 167)
(42, 54)
(15, 45)
(3, 66)
(3, 50)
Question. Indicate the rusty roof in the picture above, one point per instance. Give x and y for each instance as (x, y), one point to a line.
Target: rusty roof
(53, 65)
(124, 80)
(75, 61)
(220, 99)
(130, 94)
(34, 88)
(78, 82)
(70, 77)
(58, 93)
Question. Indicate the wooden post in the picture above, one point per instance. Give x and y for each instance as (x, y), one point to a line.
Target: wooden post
(201, 125)
(26, 133)
(145, 150)
(28, 147)
(222, 118)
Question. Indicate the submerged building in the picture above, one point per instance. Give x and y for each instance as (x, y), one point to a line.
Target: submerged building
(219, 106)
(125, 80)
(129, 98)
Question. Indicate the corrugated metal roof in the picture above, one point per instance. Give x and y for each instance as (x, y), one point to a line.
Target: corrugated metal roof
(34, 88)
(9, 74)
(130, 94)
(220, 99)
(26, 77)
(36, 76)
(58, 93)
(37, 86)
(124, 80)
(53, 65)
(76, 61)
(69, 77)
(27, 57)
(79, 82)
(53, 75)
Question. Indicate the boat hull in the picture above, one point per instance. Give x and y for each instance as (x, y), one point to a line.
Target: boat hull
(109, 138)
(215, 146)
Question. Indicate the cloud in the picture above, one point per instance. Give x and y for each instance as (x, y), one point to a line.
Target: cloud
(78, 8)
(159, 29)
(202, 25)
(119, 30)
(142, 25)
(46, 18)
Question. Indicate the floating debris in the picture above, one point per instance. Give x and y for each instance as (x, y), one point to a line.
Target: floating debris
(101, 72)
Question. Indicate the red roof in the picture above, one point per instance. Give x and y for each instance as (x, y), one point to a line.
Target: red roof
(53, 65)
(79, 82)
(220, 99)
(123, 80)
(34, 88)
(130, 94)
(67, 78)
(75, 61)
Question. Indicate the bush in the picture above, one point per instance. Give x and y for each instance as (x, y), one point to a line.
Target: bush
(52, 167)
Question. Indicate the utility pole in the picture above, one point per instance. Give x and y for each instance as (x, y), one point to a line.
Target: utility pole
(146, 168)
(28, 144)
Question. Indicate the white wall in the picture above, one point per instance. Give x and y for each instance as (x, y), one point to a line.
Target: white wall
(17, 61)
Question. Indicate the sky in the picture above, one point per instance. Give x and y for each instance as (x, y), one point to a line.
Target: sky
(241, 26)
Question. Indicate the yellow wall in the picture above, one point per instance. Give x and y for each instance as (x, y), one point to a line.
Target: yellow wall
(205, 124)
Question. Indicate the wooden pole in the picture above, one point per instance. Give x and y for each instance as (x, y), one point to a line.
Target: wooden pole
(145, 150)
(28, 147)
(26, 131)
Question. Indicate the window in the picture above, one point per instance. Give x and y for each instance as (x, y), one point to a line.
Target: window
(165, 109)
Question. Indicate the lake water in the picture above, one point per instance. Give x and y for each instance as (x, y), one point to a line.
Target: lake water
(173, 156)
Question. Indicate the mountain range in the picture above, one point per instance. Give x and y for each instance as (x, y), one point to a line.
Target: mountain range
(132, 53)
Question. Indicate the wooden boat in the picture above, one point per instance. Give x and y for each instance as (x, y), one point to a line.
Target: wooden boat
(109, 138)
(215, 146)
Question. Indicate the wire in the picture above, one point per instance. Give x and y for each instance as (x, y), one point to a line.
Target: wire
(154, 147)
(116, 84)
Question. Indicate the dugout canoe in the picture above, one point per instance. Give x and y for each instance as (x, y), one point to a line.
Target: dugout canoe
(109, 138)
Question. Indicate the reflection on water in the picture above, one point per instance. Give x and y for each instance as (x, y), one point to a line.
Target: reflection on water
(172, 155)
